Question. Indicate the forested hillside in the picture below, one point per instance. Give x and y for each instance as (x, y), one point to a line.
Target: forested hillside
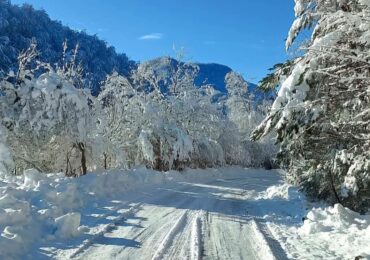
(19, 25)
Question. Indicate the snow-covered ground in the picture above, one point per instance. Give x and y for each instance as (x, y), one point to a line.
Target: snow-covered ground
(228, 213)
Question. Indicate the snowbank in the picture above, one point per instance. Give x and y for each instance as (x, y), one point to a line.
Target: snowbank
(211, 174)
(349, 230)
(68, 225)
(313, 231)
(281, 203)
(37, 207)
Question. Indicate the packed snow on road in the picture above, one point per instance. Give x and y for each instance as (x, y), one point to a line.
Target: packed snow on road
(227, 213)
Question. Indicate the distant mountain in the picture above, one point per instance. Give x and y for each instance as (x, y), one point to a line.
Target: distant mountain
(19, 25)
(209, 73)
(212, 74)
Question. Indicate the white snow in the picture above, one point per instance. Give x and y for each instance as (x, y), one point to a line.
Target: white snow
(196, 237)
(68, 225)
(326, 233)
(262, 245)
(142, 214)
(38, 207)
(161, 250)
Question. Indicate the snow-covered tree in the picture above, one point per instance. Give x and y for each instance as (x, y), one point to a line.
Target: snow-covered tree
(194, 110)
(159, 118)
(241, 107)
(48, 119)
(245, 113)
(122, 119)
(321, 113)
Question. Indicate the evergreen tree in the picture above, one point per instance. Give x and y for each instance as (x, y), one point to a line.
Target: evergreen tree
(322, 110)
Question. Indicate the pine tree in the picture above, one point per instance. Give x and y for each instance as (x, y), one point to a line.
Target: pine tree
(322, 110)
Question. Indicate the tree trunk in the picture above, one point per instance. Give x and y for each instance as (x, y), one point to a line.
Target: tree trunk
(67, 165)
(69, 170)
(81, 147)
(105, 161)
(333, 188)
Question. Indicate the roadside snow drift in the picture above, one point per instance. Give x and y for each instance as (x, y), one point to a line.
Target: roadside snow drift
(320, 232)
(38, 207)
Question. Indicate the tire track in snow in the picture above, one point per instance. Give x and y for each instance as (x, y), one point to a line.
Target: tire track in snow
(157, 222)
(106, 229)
(196, 247)
(267, 247)
(167, 241)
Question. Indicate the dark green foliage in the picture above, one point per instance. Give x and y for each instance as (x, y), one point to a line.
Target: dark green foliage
(272, 80)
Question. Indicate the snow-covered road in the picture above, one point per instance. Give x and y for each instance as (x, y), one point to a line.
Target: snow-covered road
(227, 213)
(183, 220)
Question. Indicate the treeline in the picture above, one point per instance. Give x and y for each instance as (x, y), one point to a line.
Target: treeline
(50, 121)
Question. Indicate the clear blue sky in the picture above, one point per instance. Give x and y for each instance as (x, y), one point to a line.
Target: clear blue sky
(247, 35)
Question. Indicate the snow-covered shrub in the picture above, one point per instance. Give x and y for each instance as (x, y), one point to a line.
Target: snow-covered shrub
(54, 114)
(322, 114)
(207, 153)
(236, 151)
(120, 120)
(165, 148)
(353, 169)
